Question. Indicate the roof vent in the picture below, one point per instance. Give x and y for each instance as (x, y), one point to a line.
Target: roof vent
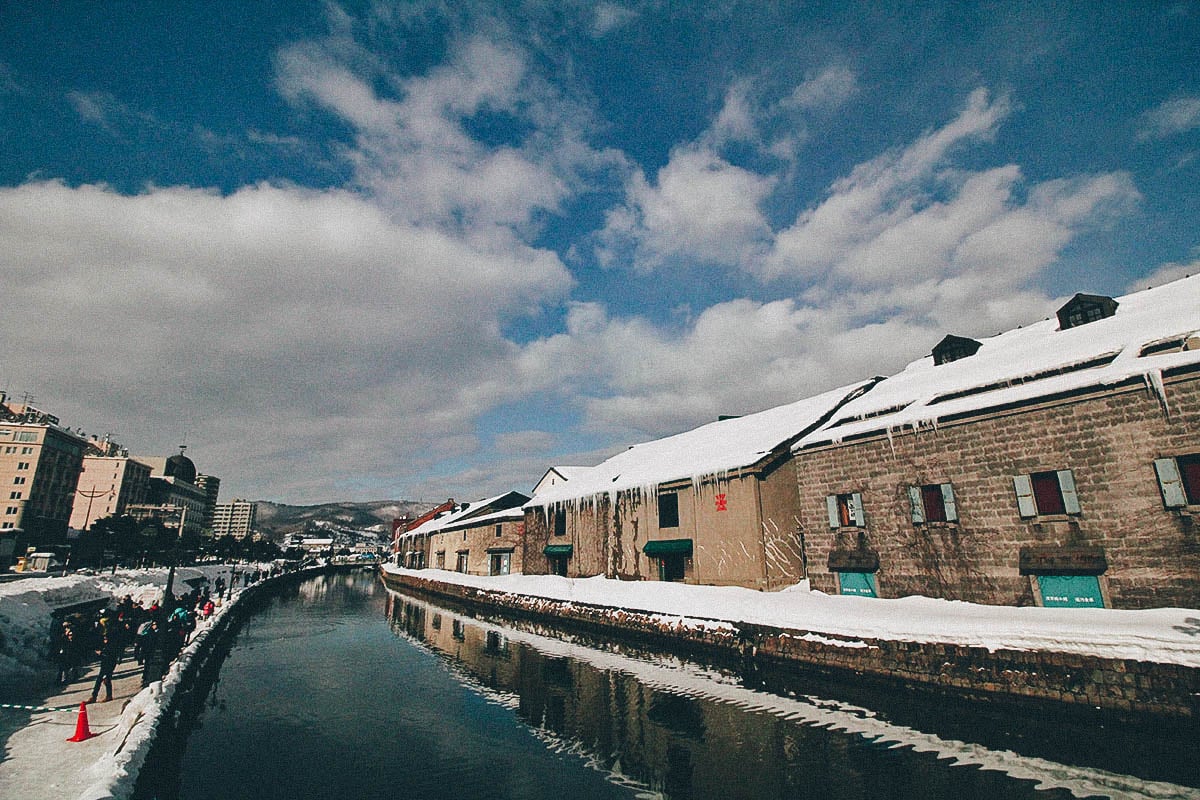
(1084, 308)
(952, 348)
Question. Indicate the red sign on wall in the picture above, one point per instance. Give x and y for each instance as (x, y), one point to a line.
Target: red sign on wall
(721, 504)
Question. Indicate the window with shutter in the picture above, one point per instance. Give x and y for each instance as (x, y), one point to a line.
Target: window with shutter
(933, 502)
(1046, 493)
(846, 510)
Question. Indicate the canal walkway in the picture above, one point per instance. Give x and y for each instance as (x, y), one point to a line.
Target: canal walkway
(39, 763)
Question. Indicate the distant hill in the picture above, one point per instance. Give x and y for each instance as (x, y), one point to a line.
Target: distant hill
(277, 520)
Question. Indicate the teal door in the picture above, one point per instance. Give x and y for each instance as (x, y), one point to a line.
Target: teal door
(1070, 591)
(857, 583)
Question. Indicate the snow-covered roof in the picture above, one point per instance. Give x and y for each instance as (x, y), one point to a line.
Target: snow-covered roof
(1031, 362)
(711, 450)
(556, 475)
(461, 513)
(505, 515)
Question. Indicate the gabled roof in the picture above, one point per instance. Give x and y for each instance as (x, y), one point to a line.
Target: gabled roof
(1032, 362)
(563, 473)
(470, 511)
(728, 446)
(506, 514)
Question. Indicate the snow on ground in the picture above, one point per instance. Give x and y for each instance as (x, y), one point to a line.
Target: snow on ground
(26, 606)
(1164, 635)
(107, 765)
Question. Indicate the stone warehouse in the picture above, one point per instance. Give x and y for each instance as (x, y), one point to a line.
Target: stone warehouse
(715, 505)
(1054, 464)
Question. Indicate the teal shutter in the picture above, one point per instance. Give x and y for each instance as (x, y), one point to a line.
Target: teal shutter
(1066, 482)
(917, 503)
(1170, 482)
(831, 506)
(1024, 488)
(859, 584)
(1070, 591)
(948, 502)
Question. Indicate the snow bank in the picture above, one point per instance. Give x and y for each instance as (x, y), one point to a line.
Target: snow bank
(1162, 635)
(117, 772)
(27, 605)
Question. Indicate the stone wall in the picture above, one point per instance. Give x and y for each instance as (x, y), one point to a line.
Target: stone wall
(1109, 439)
(1134, 687)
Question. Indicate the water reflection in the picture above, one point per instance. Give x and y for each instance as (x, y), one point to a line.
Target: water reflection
(683, 730)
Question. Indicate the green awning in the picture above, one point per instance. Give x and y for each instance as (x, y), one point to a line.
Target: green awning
(558, 549)
(668, 547)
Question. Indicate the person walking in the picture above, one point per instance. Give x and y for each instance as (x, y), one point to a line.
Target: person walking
(110, 655)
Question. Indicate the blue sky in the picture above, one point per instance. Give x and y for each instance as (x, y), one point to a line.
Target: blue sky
(417, 250)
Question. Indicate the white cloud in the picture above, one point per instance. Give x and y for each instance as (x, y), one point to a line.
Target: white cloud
(702, 209)
(905, 249)
(414, 151)
(1170, 118)
(610, 16)
(1165, 274)
(273, 325)
(831, 88)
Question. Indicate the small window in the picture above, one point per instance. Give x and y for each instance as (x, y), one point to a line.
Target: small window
(933, 503)
(1084, 308)
(500, 563)
(846, 510)
(26, 451)
(14, 495)
(13, 509)
(668, 510)
(22, 465)
(560, 522)
(1179, 480)
(461, 566)
(19, 480)
(1046, 493)
(498, 530)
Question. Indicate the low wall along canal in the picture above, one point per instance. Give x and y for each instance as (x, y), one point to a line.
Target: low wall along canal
(337, 686)
(1121, 685)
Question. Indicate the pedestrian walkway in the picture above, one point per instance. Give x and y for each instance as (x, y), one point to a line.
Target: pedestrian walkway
(33, 766)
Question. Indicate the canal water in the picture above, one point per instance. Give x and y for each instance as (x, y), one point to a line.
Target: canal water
(339, 688)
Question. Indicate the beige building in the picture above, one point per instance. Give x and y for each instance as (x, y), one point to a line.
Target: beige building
(237, 519)
(714, 505)
(39, 470)
(109, 483)
(484, 537)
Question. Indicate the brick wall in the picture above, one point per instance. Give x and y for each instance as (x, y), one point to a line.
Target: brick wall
(1109, 438)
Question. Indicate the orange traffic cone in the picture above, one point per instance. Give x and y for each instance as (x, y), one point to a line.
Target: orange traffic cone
(82, 731)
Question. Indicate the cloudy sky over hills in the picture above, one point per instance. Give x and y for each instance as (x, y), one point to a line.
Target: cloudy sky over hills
(368, 250)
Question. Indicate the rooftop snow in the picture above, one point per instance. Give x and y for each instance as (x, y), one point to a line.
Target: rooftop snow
(713, 449)
(459, 514)
(1031, 362)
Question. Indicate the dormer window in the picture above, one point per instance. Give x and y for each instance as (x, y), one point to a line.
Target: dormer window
(1084, 308)
(952, 348)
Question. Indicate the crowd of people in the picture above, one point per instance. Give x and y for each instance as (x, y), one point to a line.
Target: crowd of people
(156, 633)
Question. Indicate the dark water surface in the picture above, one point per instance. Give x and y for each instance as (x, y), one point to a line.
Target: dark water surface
(342, 689)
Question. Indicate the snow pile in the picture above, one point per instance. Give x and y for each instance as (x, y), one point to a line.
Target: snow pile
(1163, 635)
(27, 605)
